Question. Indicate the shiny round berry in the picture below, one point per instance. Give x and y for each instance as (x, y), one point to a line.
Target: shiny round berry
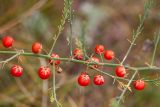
(44, 72)
(109, 55)
(57, 62)
(139, 84)
(98, 80)
(36, 47)
(120, 71)
(96, 60)
(99, 49)
(16, 71)
(78, 54)
(84, 79)
(7, 41)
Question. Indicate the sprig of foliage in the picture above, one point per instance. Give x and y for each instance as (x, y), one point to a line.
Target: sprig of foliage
(83, 39)
(136, 33)
(125, 89)
(71, 29)
(65, 16)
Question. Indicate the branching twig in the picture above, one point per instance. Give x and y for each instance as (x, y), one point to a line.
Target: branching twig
(65, 15)
(83, 40)
(124, 91)
(80, 61)
(54, 96)
(135, 34)
(9, 59)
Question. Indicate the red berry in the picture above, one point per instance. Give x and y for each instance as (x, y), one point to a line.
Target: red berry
(16, 71)
(84, 79)
(139, 84)
(44, 72)
(109, 55)
(99, 49)
(36, 47)
(95, 59)
(98, 80)
(7, 41)
(57, 62)
(78, 54)
(120, 71)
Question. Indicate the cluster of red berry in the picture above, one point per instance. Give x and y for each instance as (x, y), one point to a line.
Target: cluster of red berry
(120, 71)
(44, 72)
(84, 79)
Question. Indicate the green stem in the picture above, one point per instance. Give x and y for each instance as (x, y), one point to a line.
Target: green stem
(79, 61)
(85, 62)
(124, 91)
(83, 40)
(54, 87)
(128, 51)
(136, 34)
(155, 48)
(65, 15)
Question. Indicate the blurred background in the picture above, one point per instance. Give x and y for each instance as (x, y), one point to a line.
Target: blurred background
(107, 22)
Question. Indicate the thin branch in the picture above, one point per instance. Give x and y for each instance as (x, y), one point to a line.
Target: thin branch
(80, 61)
(83, 40)
(11, 58)
(124, 91)
(54, 88)
(157, 38)
(136, 34)
(65, 15)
